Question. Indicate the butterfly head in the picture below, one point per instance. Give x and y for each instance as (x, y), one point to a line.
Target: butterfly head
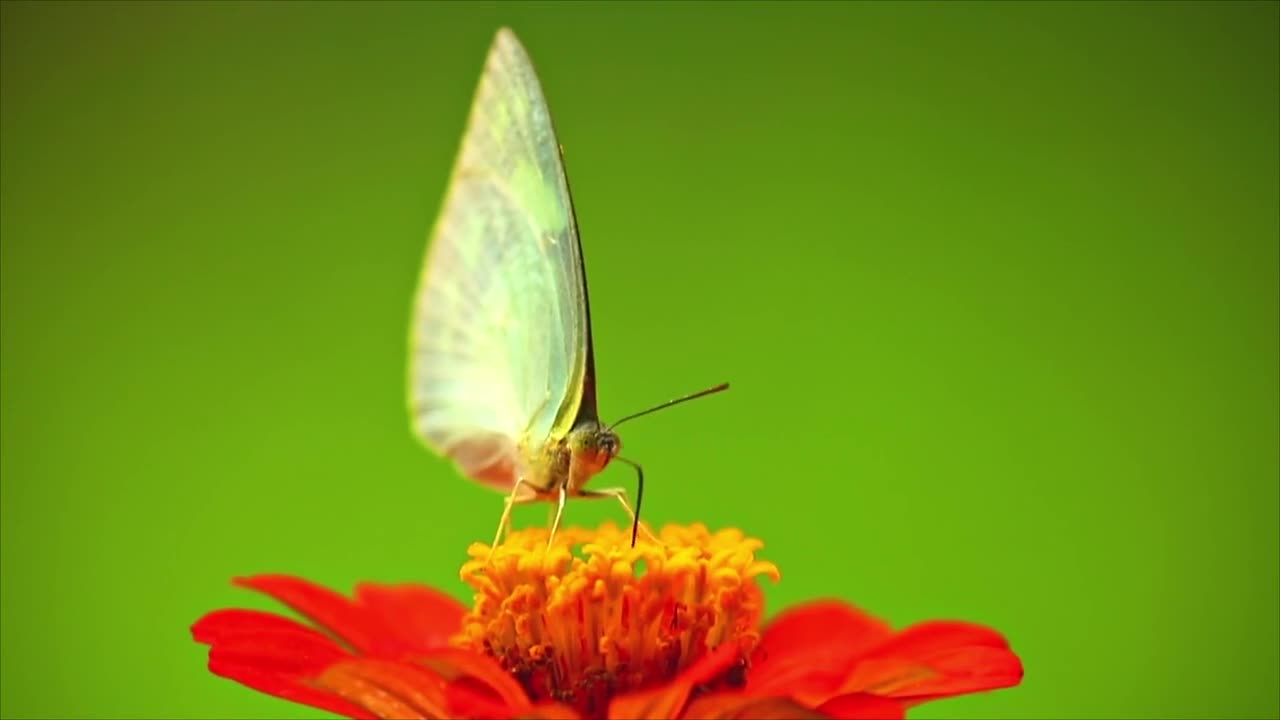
(593, 445)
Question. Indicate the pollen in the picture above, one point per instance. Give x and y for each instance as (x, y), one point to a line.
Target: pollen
(592, 617)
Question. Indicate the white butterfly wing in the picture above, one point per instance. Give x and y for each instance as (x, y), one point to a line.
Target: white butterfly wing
(499, 337)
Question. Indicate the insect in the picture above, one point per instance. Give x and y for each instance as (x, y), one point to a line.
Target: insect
(501, 371)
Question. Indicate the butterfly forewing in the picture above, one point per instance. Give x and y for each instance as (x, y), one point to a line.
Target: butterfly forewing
(499, 338)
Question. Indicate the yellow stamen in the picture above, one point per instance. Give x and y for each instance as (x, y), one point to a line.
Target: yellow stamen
(590, 617)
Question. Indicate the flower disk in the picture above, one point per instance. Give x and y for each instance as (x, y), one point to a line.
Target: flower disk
(592, 617)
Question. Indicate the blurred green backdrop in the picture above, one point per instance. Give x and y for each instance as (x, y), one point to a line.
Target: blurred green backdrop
(996, 286)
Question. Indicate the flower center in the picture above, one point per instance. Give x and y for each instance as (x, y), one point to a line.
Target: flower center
(592, 617)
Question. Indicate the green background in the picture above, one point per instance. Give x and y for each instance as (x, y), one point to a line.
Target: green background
(996, 287)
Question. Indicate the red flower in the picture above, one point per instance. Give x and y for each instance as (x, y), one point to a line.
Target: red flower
(552, 635)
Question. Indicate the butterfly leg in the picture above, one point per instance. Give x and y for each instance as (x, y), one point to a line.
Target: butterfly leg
(555, 523)
(620, 494)
(504, 524)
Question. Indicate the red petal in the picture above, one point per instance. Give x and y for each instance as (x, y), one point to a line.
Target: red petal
(666, 701)
(387, 620)
(739, 706)
(420, 617)
(937, 659)
(549, 711)
(273, 655)
(282, 657)
(860, 706)
(292, 652)
(250, 639)
(328, 609)
(807, 651)
(387, 689)
(222, 623)
(288, 689)
(476, 685)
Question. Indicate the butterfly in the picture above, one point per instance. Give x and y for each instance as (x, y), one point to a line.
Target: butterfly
(502, 371)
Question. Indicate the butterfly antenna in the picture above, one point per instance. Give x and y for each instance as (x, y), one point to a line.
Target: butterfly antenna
(701, 393)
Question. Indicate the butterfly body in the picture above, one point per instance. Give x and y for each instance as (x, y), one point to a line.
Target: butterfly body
(567, 463)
